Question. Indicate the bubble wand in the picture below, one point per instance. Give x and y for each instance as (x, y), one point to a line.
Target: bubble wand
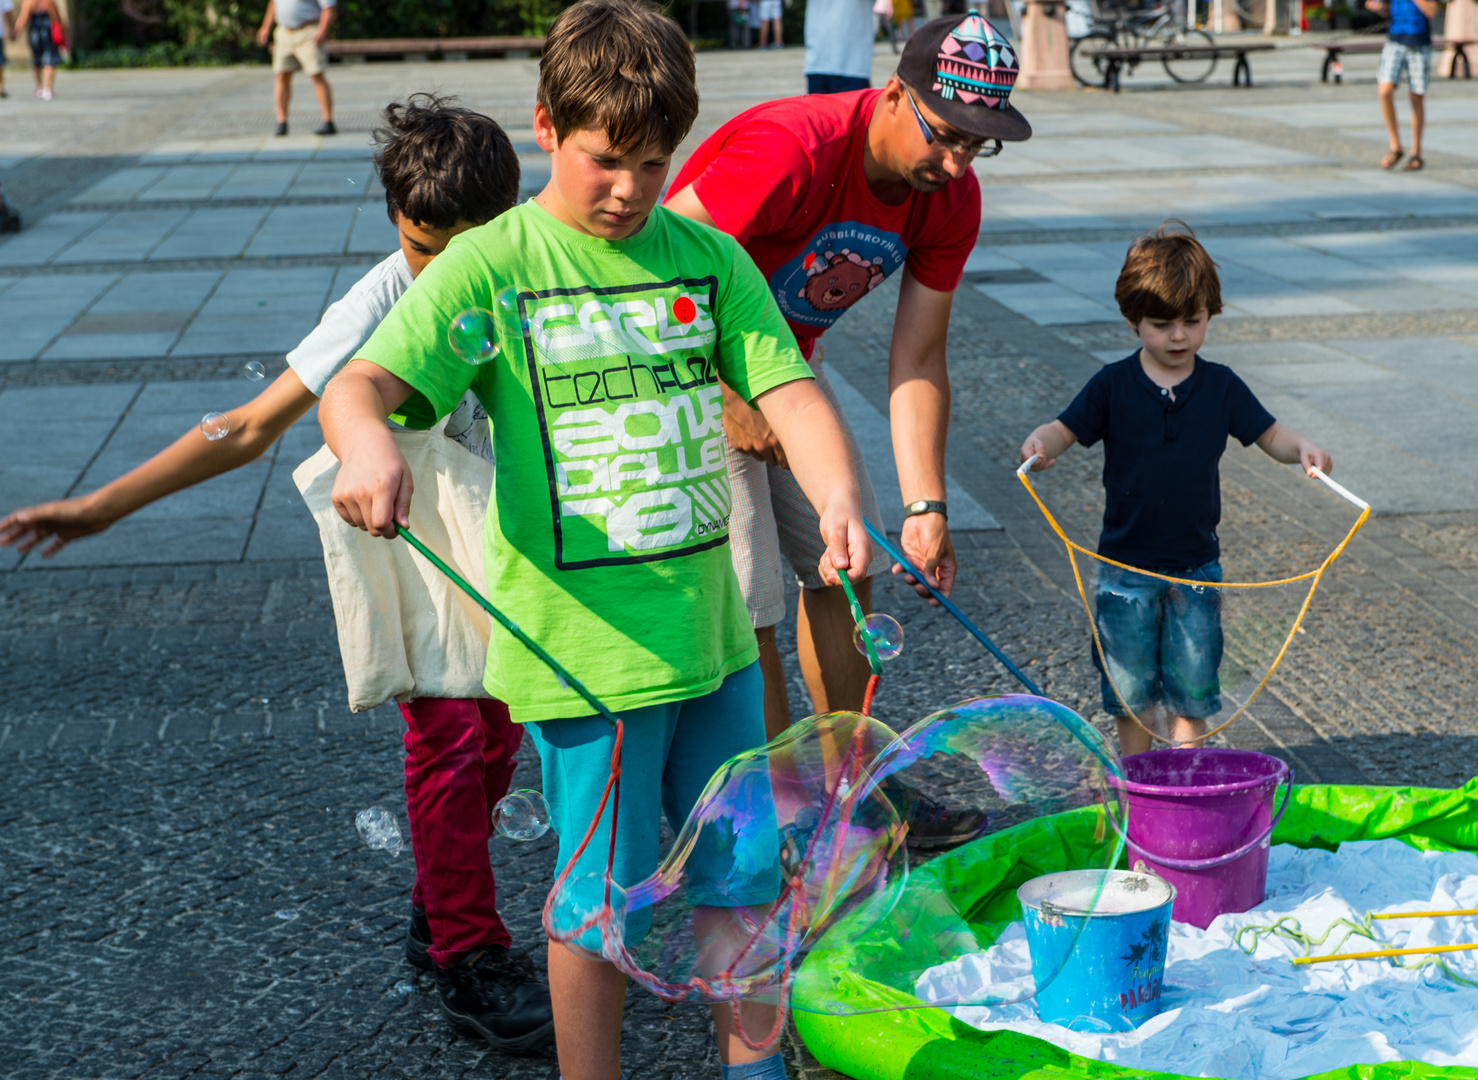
(897, 556)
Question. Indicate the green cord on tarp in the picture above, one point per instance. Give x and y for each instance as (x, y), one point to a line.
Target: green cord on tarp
(508, 624)
(1290, 928)
(861, 620)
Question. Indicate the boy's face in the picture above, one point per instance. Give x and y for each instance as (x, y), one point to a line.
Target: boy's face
(1172, 343)
(422, 243)
(594, 188)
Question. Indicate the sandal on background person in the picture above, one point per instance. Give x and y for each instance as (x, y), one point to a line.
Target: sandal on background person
(1392, 158)
(1415, 163)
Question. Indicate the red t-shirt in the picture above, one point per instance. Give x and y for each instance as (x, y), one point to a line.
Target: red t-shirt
(785, 180)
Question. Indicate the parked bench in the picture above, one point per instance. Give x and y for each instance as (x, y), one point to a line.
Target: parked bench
(448, 48)
(1333, 50)
(1118, 57)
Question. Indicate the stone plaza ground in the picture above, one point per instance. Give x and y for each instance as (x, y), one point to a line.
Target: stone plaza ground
(185, 892)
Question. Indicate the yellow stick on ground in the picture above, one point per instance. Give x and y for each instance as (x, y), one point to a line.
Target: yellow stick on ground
(1383, 952)
(1426, 914)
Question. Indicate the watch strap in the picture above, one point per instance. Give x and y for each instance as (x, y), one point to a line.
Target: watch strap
(926, 506)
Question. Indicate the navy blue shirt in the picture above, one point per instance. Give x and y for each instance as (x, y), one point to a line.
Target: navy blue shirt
(1408, 25)
(1161, 458)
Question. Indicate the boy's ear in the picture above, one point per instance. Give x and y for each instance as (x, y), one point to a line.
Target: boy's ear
(544, 133)
(1133, 326)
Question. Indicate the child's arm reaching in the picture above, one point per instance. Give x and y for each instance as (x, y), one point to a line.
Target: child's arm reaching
(1288, 446)
(1048, 442)
(190, 459)
(374, 486)
(820, 459)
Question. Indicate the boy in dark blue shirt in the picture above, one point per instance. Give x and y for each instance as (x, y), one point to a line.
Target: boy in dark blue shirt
(1164, 415)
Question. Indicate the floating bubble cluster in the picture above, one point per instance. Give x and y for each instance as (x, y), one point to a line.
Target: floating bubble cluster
(522, 815)
(884, 632)
(255, 370)
(379, 830)
(473, 335)
(215, 426)
(799, 846)
(286, 914)
(402, 990)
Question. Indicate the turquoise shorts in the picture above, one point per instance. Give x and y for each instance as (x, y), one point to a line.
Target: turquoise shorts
(669, 754)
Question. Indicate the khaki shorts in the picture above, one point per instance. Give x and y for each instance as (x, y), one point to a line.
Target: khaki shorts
(294, 50)
(773, 523)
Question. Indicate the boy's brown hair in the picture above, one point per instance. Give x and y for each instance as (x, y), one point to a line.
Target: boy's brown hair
(441, 164)
(623, 67)
(1167, 275)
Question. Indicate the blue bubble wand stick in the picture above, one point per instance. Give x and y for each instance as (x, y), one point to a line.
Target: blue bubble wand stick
(897, 556)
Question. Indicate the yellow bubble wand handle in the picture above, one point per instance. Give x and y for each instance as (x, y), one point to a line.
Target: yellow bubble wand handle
(1376, 954)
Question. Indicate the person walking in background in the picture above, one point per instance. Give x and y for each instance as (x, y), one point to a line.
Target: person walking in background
(7, 28)
(47, 33)
(902, 20)
(738, 24)
(302, 29)
(839, 36)
(1409, 49)
(770, 12)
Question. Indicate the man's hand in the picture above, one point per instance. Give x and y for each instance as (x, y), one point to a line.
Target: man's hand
(847, 545)
(373, 489)
(927, 544)
(61, 521)
(264, 32)
(750, 433)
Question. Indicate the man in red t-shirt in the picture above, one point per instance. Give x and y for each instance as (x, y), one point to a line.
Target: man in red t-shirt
(830, 195)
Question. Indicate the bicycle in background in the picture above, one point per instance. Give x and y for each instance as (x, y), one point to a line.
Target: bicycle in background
(1162, 26)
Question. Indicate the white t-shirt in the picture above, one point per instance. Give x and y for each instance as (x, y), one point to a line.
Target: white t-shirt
(348, 324)
(295, 13)
(839, 36)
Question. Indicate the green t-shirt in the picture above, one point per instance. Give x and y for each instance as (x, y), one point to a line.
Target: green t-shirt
(607, 538)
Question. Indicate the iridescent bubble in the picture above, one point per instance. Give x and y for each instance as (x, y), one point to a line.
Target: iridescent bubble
(886, 635)
(215, 426)
(473, 335)
(402, 990)
(522, 815)
(794, 860)
(255, 370)
(508, 303)
(379, 830)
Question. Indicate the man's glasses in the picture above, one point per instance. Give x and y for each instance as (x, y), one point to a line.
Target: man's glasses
(984, 148)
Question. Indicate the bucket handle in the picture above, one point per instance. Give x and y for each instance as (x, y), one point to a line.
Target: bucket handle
(1218, 860)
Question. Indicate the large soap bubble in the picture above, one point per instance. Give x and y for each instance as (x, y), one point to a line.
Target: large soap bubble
(799, 846)
(785, 840)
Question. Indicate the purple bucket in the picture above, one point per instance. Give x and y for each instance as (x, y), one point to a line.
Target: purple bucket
(1202, 819)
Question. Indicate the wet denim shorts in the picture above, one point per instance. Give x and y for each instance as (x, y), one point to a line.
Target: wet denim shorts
(1162, 641)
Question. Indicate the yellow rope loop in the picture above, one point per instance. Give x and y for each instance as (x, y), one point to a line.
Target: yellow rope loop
(1313, 577)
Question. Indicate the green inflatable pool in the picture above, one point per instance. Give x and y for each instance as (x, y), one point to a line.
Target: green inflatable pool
(971, 892)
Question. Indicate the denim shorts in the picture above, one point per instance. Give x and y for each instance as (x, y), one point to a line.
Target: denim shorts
(1162, 641)
(668, 755)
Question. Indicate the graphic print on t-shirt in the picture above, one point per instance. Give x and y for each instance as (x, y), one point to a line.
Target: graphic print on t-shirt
(631, 414)
(838, 267)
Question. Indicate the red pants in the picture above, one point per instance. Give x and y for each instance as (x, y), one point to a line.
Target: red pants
(458, 764)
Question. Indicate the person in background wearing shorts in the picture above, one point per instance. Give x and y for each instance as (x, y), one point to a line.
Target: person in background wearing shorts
(1409, 49)
(839, 36)
(1164, 415)
(298, 43)
(44, 26)
(830, 195)
(769, 12)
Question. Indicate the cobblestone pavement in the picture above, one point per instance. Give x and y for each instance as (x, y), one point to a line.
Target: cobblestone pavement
(177, 854)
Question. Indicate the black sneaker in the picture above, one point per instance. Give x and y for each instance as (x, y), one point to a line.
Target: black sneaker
(931, 824)
(281, 127)
(495, 994)
(327, 128)
(418, 940)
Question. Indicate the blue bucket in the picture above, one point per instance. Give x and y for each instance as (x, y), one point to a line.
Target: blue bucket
(1103, 934)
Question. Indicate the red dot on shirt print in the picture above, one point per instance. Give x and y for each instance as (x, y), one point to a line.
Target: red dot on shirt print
(808, 260)
(684, 310)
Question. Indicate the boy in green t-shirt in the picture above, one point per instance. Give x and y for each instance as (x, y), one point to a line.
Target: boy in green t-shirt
(606, 538)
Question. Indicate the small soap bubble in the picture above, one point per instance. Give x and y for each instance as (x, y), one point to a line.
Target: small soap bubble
(286, 914)
(255, 370)
(886, 635)
(378, 828)
(214, 426)
(473, 335)
(402, 990)
(522, 815)
(508, 299)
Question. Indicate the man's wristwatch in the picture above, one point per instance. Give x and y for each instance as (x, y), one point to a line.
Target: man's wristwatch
(926, 506)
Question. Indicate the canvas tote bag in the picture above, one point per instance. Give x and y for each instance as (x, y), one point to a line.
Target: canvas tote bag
(405, 631)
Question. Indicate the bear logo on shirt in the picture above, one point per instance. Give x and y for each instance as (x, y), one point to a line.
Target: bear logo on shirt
(838, 280)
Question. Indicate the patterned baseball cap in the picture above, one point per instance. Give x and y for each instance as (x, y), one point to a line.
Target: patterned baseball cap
(963, 68)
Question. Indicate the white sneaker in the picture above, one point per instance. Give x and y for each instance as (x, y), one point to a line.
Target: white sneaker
(47, 95)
